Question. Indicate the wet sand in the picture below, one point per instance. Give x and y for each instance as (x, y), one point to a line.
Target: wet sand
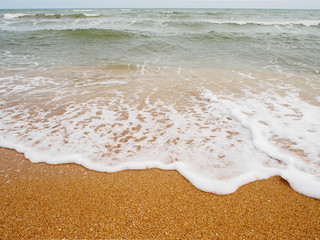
(69, 201)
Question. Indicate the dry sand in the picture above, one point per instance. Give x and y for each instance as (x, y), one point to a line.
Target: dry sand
(69, 201)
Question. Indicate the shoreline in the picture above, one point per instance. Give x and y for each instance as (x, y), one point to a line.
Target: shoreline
(68, 201)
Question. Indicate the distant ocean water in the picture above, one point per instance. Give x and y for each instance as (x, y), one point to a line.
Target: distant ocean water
(225, 97)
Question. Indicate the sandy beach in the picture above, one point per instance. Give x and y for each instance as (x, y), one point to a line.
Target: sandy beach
(68, 201)
(224, 96)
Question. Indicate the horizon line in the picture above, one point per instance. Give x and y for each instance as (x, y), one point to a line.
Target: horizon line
(244, 8)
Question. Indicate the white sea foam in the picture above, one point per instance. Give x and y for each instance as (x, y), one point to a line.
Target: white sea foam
(244, 75)
(90, 83)
(217, 143)
(307, 23)
(15, 15)
(218, 166)
(289, 132)
(92, 15)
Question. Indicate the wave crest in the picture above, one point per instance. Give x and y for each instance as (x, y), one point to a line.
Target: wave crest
(49, 16)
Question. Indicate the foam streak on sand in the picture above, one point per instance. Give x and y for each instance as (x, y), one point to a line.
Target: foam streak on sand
(299, 180)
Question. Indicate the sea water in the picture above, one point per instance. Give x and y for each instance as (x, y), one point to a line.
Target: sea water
(225, 97)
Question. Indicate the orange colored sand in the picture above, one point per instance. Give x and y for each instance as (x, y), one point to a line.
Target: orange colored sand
(68, 201)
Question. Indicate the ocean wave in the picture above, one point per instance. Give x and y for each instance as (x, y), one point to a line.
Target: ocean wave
(220, 36)
(203, 23)
(307, 23)
(92, 15)
(49, 15)
(185, 23)
(15, 15)
(101, 33)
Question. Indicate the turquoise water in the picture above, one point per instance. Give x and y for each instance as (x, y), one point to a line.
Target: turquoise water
(225, 97)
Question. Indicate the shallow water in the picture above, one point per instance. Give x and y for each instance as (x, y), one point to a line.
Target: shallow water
(223, 96)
